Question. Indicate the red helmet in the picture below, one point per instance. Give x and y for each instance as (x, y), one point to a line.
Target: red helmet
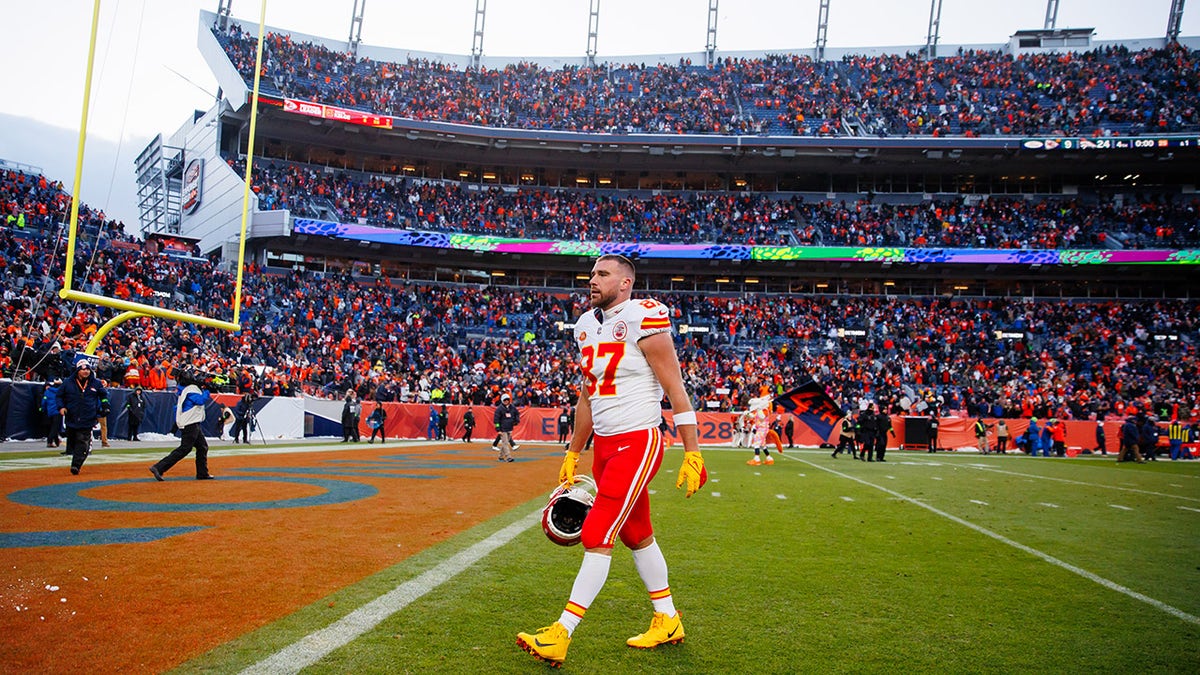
(562, 519)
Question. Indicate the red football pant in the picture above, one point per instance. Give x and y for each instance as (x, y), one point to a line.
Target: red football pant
(623, 466)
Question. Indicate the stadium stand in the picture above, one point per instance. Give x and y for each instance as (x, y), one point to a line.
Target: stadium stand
(395, 340)
(1108, 91)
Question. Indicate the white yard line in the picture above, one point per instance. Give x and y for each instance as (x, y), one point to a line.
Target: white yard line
(1111, 585)
(1086, 484)
(316, 646)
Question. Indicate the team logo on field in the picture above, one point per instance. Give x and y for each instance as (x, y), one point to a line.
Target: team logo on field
(620, 330)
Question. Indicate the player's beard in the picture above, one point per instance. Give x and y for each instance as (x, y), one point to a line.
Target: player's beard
(602, 300)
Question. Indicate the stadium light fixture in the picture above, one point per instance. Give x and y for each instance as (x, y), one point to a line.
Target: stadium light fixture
(752, 281)
(676, 278)
(722, 280)
(822, 285)
(498, 273)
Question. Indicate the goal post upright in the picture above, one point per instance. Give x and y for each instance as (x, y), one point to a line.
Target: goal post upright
(131, 310)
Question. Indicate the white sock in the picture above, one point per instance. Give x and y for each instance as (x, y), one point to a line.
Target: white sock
(593, 572)
(652, 567)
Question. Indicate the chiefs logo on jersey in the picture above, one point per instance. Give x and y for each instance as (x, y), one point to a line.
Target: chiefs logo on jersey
(583, 336)
(620, 330)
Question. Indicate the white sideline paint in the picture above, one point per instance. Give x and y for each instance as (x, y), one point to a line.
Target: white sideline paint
(1118, 506)
(1049, 505)
(1188, 508)
(976, 501)
(316, 646)
(780, 496)
(1085, 484)
(1111, 585)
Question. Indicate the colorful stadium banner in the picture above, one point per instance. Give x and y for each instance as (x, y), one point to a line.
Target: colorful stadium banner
(591, 249)
(812, 405)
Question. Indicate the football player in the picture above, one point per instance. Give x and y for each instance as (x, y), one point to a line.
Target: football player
(628, 361)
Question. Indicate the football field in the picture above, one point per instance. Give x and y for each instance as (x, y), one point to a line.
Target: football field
(921, 564)
(925, 563)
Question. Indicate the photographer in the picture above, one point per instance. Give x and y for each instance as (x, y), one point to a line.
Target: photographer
(189, 414)
(242, 412)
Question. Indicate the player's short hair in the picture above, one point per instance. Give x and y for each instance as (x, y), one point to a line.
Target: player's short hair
(621, 260)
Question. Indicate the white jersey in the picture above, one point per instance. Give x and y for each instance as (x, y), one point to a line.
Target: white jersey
(623, 391)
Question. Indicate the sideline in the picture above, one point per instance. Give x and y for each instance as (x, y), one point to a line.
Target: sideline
(1111, 585)
(313, 647)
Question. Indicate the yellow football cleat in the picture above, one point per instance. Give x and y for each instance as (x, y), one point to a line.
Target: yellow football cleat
(663, 630)
(754, 462)
(549, 644)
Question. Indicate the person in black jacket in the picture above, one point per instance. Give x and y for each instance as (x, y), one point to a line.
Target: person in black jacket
(866, 434)
(468, 424)
(242, 412)
(135, 406)
(506, 418)
(566, 420)
(1148, 438)
(1130, 436)
(351, 412)
(82, 400)
(376, 421)
(883, 428)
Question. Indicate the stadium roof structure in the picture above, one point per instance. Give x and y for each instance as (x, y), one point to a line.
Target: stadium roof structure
(923, 167)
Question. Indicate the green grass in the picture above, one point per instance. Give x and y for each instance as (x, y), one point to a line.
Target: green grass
(835, 576)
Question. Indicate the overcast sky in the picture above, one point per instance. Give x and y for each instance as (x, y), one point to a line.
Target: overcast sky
(148, 74)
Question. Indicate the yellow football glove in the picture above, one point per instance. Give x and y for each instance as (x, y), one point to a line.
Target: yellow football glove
(566, 472)
(692, 472)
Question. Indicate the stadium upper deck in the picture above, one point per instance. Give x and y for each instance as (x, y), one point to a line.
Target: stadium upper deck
(1105, 92)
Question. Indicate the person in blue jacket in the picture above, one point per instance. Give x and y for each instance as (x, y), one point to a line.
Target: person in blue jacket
(431, 432)
(1034, 433)
(82, 400)
(53, 417)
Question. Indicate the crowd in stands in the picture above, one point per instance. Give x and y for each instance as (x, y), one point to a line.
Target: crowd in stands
(321, 334)
(1151, 221)
(1107, 91)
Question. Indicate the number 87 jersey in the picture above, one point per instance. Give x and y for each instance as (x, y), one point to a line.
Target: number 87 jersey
(622, 389)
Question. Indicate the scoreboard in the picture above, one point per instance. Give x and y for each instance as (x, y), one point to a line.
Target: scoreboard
(1112, 143)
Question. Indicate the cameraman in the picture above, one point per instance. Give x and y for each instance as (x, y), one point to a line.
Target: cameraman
(242, 412)
(189, 414)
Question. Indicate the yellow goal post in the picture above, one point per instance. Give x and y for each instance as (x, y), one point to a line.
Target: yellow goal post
(130, 309)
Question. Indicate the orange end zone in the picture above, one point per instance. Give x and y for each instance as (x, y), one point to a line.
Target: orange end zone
(111, 571)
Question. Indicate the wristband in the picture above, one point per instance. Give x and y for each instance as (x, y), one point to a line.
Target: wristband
(685, 418)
